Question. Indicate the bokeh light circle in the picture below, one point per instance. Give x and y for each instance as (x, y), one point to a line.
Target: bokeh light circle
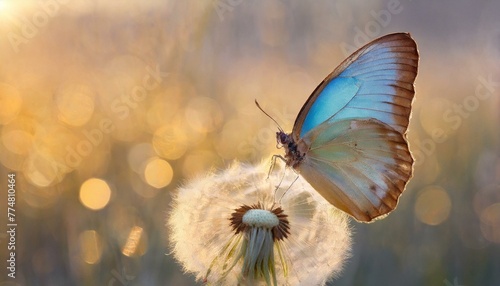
(433, 205)
(95, 194)
(90, 243)
(158, 173)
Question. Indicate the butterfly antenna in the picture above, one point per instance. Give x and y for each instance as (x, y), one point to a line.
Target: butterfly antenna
(258, 105)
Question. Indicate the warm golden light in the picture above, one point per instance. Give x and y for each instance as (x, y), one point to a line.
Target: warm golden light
(158, 173)
(10, 100)
(232, 144)
(161, 111)
(138, 156)
(198, 161)
(4, 6)
(133, 241)
(170, 141)
(75, 104)
(433, 205)
(90, 246)
(95, 194)
(431, 118)
(18, 136)
(203, 114)
(41, 171)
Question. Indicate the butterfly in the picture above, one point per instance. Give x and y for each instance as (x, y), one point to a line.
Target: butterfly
(349, 138)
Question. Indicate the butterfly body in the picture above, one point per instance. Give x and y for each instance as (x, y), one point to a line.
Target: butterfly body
(294, 153)
(349, 138)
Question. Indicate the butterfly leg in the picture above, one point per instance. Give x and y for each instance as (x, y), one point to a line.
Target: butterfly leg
(271, 168)
(273, 162)
(279, 185)
(284, 193)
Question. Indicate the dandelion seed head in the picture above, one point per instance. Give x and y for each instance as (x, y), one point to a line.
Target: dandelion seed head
(227, 228)
(260, 218)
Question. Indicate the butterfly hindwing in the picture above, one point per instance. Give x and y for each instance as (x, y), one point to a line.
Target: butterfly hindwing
(360, 166)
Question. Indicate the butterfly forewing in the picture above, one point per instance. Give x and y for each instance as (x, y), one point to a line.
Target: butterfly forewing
(374, 82)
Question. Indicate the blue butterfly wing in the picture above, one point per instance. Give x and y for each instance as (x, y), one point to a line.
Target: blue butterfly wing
(375, 82)
(353, 127)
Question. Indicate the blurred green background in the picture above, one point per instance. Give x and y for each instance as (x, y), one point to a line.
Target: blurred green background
(107, 106)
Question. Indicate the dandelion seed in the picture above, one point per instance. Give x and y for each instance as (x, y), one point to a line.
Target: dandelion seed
(227, 229)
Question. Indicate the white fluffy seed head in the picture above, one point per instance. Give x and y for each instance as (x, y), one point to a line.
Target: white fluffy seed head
(204, 242)
(260, 218)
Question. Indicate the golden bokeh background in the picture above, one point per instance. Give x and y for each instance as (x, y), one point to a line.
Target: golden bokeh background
(106, 107)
